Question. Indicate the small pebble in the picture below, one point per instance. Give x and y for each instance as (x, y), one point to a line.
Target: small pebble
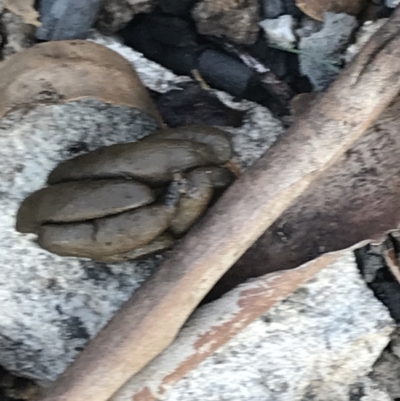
(279, 31)
(392, 3)
(66, 19)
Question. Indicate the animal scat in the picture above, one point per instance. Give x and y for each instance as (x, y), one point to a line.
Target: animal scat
(162, 242)
(153, 163)
(107, 236)
(217, 139)
(80, 200)
(193, 202)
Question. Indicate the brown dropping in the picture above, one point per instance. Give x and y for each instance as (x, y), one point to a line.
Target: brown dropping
(161, 243)
(219, 177)
(194, 202)
(64, 71)
(216, 138)
(106, 236)
(316, 9)
(153, 162)
(81, 200)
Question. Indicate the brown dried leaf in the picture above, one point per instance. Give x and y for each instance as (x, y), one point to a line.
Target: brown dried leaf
(63, 71)
(355, 199)
(25, 9)
(317, 8)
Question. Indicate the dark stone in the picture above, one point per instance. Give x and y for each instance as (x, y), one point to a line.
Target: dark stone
(169, 41)
(179, 8)
(276, 8)
(224, 72)
(356, 392)
(13, 388)
(384, 285)
(66, 19)
(284, 64)
(193, 105)
(273, 8)
(292, 9)
(263, 94)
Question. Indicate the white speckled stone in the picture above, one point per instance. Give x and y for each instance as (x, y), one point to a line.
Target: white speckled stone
(51, 306)
(318, 344)
(279, 31)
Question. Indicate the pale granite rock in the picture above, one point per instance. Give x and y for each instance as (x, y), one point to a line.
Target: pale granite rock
(318, 344)
(52, 306)
(262, 341)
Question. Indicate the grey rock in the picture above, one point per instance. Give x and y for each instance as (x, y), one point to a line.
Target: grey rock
(225, 72)
(279, 31)
(395, 344)
(52, 306)
(273, 8)
(392, 3)
(318, 344)
(235, 19)
(321, 53)
(387, 368)
(177, 8)
(66, 19)
(308, 26)
(17, 35)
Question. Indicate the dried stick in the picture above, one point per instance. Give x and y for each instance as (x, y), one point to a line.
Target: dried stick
(150, 320)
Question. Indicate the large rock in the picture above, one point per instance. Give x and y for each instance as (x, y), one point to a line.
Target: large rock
(320, 343)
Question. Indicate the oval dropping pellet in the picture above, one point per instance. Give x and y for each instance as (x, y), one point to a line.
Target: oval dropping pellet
(220, 177)
(108, 235)
(161, 243)
(80, 200)
(154, 162)
(216, 138)
(193, 203)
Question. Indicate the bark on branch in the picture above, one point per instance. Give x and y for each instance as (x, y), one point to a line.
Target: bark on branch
(150, 320)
